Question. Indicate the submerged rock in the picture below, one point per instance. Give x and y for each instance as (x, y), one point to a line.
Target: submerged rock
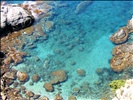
(81, 72)
(35, 78)
(59, 76)
(58, 97)
(36, 96)
(99, 71)
(48, 87)
(29, 93)
(43, 98)
(49, 25)
(72, 97)
(82, 6)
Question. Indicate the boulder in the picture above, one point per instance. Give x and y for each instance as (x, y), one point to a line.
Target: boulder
(123, 57)
(35, 78)
(59, 76)
(121, 36)
(81, 72)
(14, 18)
(48, 87)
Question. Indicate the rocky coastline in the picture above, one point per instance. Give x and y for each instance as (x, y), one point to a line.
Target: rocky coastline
(15, 17)
(123, 52)
(123, 59)
(12, 32)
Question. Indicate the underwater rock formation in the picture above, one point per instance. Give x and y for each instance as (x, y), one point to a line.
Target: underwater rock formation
(81, 72)
(48, 87)
(29, 94)
(14, 17)
(59, 76)
(123, 57)
(82, 6)
(99, 71)
(35, 78)
(36, 96)
(49, 25)
(72, 97)
(13, 56)
(43, 98)
(76, 90)
(58, 97)
(122, 34)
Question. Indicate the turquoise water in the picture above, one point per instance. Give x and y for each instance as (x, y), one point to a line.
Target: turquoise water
(78, 41)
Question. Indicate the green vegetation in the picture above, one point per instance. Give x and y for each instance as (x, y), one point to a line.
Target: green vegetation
(116, 84)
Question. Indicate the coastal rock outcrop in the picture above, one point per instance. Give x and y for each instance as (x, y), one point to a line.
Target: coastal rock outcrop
(14, 18)
(123, 57)
(122, 53)
(122, 34)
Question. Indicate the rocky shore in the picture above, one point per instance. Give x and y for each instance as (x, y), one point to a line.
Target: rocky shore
(123, 59)
(15, 17)
(15, 20)
(19, 32)
(123, 52)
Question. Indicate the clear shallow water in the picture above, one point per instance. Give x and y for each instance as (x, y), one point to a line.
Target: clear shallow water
(80, 38)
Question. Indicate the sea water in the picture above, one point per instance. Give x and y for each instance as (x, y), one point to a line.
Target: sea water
(78, 41)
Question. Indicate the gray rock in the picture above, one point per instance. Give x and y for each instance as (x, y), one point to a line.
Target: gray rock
(14, 18)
